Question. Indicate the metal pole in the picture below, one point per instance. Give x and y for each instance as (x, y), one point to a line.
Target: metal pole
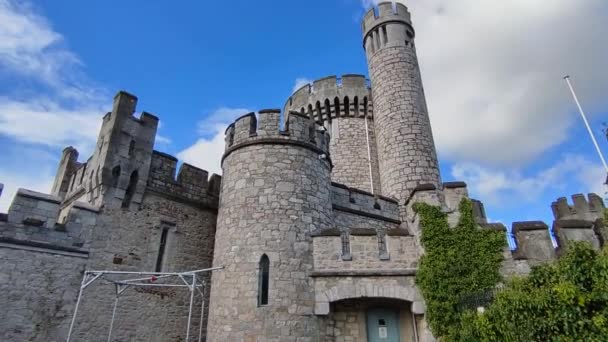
(580, 109)
(190, 310)
(84, 278)
(113, 314)
(200, 327)
(369, 155)
(415, 327)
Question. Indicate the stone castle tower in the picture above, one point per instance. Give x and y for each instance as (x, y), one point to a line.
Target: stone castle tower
(311, 222)
(406, 151)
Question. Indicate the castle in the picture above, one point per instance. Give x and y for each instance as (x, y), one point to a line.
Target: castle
(311, 222)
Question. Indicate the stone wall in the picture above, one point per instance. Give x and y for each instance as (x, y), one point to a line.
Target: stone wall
(38, 289)
(128, 240)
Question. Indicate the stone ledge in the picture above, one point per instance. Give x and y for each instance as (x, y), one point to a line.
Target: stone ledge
(494, 226)
(529, 225)
(363, 273)
(325, 232)
(574, 224)
(211, 203)
(365, 214)
(363, 192)
(38, 196)
(277, 141)
(42, 247)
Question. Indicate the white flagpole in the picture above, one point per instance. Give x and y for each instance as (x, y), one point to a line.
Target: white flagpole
(580, 109)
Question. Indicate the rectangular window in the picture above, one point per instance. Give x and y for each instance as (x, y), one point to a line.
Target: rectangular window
(345, 237)
(161, 249)
(264, 275)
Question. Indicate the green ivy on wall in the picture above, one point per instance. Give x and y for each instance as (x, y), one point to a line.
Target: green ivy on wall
(457, 263)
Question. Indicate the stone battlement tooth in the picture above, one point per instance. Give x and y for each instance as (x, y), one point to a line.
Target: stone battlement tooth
(191, 182)
(248, 129)
(385, 12)
(589, 208)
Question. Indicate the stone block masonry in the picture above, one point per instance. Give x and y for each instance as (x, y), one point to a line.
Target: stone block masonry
(307, 245)
(344, 107)
(275, 192)
(406, 151)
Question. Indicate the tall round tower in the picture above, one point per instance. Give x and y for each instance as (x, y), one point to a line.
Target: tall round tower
(275, 191)
(406, 151)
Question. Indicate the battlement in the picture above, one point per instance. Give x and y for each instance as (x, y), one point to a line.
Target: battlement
(191, 183)
(36, 220)
(582, 209)
(299, 130)
(386, 12)
(360, 202)
(331, 97)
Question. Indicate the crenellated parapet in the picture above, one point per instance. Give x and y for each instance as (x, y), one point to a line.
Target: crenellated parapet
(265, 129)
(191, 184)
(534, 242)
(332, 97)
(344, 107)
(388, 25)
(36, 221)
(589, 209)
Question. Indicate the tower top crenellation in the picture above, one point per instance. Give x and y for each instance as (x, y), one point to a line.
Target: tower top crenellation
(385, 13)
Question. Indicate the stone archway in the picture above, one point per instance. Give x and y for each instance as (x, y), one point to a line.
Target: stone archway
(351, 290)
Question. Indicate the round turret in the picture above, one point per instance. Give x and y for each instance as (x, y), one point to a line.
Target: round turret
(406, 151)
(342, 106)
(275, 191)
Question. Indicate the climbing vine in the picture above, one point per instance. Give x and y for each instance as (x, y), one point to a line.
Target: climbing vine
(458, 262)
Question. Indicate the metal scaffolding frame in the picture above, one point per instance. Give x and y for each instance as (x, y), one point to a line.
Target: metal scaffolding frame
(122, 282)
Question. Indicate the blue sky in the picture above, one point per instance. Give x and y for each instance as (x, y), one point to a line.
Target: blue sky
(502, 117)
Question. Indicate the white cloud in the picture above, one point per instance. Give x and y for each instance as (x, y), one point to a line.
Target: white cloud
(492, 72)
(220, 117)
(12, 181)
(21, 174)
(51, 103)
(300, 82)
(498, 185)
(42, 121)
(207, 151)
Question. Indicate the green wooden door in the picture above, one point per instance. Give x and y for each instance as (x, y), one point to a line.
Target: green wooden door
(382, 325)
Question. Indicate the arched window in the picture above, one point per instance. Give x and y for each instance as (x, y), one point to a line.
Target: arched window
(131, 147)
(356, 101)
(346, 106)
(327, 109)
(264, 271)
(318, 110)
(126, 201)
(365, 106)
(337, 106)
(115, 175)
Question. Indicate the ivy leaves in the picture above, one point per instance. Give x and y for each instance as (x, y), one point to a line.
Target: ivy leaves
(457, 262)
